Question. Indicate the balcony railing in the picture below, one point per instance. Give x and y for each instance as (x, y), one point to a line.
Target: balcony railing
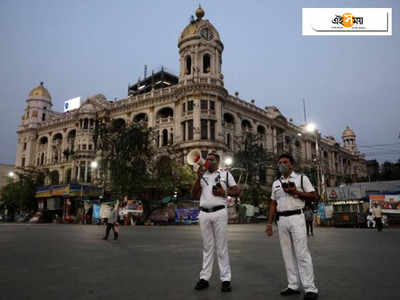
(165, 120)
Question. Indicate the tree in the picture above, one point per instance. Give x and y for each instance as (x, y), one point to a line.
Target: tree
(390, 171)
(169, 176)
(127, 152)
(20, 194)
(254, 160)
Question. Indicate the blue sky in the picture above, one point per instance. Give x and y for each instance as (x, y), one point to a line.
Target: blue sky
(82, 47)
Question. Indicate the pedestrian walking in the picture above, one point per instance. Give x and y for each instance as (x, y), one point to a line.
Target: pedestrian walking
(288, 195)
(308, 214)
(112, 223)
(377, 213)
(212, 186)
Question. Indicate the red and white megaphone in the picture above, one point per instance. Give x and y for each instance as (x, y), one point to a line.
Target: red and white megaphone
(194, 159)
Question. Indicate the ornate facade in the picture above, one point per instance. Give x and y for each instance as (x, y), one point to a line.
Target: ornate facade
(191, 111)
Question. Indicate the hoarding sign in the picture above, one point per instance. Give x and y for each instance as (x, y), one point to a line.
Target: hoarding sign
(388, 203)
(71, 104)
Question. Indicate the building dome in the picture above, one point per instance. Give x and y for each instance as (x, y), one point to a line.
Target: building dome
(40, 92)
(348, 132)
(195, 26)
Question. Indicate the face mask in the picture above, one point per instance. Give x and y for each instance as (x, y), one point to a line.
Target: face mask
(213, 164)
(283, 169)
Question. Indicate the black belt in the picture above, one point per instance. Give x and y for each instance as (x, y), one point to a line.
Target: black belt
(212, 209)
(288, 213)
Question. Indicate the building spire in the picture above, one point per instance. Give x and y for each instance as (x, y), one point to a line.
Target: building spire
(199, 13)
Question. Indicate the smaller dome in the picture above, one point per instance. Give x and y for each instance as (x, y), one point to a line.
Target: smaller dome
(189, 30)
(348, 132)
(199, 13)
(41, 92)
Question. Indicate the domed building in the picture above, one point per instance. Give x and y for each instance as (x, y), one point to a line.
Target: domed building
(189, 111)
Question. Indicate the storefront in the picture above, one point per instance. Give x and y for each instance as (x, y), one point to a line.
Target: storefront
(67, 202)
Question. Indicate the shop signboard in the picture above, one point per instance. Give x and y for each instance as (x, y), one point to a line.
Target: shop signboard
(187, 215)
(390, 204)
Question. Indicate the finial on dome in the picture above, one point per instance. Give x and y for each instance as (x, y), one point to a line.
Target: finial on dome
(199, 13)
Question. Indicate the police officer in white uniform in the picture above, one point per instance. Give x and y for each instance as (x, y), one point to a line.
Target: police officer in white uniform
(288, 195)
(212, 186)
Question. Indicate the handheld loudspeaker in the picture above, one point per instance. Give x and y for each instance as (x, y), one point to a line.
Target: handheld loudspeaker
(194, 159)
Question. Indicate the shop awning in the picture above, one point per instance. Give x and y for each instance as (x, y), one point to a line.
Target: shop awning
(68, 190)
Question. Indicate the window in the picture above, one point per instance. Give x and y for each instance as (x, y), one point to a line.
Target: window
(24, 146)
(190, 130)
(23, 162)
(206, 63)
(212, 130)
(184, 131)
(212, 105)
(204, 129)
(188, 65)
(43, 117)
(228, 140)
(68, 176)
(171, 138)
(184, 107)
(190, 105)
(165, 137)
(89, 175)
(84, 147)
(82, 172)
(42, 159)
(90, 146)
(204, 104)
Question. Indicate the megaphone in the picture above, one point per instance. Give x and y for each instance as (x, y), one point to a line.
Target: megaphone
(194, 159)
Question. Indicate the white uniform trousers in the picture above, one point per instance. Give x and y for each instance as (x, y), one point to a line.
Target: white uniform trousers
(296, 255)
(213, 226)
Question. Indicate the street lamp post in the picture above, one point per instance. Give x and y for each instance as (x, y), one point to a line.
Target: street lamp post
(311, 128)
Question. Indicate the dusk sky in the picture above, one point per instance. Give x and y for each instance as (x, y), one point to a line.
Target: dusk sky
(82, 48)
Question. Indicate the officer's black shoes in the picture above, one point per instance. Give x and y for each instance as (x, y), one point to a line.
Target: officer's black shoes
(310, 296)
(226, 286)
(201, 285)
(289, 292)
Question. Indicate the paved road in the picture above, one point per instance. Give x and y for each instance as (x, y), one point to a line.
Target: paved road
(72, 262)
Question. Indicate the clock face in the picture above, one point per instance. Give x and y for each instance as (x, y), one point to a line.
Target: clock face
(207, 34)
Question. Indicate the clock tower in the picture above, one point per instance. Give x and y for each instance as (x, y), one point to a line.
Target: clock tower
(200, 51)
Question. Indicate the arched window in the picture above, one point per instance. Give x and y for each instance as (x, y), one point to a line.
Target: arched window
(68, 176)
(206, 63)
(165, 137)
(188, 61)
(118, 124)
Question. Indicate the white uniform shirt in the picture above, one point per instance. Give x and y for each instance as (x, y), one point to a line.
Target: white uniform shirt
(284, 200)
(207, 198)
